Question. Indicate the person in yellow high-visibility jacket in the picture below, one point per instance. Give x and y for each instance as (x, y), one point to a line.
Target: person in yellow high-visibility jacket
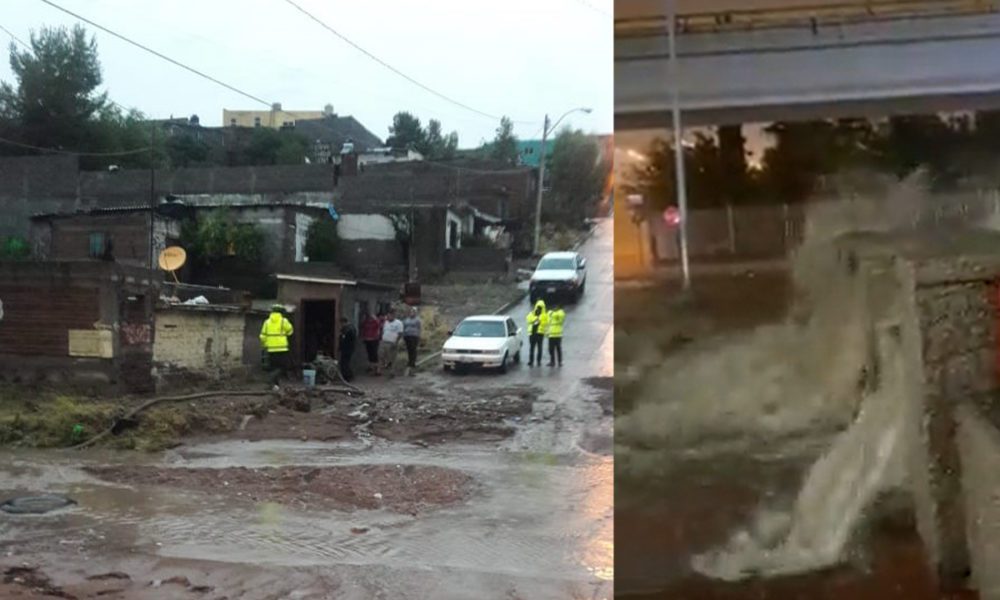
(274, 334)
(538, 322)
(557, 318)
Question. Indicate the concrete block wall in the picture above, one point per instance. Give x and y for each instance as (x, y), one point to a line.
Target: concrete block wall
(979, 445)
(204, 342)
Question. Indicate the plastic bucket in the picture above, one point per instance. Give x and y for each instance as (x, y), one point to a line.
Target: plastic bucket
(309, 377)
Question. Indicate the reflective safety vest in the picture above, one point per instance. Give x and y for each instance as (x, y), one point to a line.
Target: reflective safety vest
(274, 333)
(556, 319)
(542, 319)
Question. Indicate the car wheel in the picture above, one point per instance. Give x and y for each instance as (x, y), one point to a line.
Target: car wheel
(446, 368)
(503, 364)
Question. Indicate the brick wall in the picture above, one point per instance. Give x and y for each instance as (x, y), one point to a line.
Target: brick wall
(201, 341)
(37, 318)
(129, 235)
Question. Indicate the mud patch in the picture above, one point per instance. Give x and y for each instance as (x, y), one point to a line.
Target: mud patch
(30, 579)
(406, 489)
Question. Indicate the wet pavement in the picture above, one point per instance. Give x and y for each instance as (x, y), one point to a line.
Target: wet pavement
(538, 525)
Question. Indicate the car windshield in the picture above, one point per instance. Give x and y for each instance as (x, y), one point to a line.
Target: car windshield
(556, 264)
(480, 329)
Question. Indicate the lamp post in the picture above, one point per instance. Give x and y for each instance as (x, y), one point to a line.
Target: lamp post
(541, 171)
(678, 140)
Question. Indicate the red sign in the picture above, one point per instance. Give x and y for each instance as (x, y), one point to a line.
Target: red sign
(672, 216)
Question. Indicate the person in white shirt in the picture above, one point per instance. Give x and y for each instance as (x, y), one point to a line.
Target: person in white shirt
(392, 333)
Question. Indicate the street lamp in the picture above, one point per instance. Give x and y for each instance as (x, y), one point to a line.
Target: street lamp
(541, 170)
(678, 140)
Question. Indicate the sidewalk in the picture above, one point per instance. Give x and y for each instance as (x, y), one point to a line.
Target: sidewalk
(663, 272)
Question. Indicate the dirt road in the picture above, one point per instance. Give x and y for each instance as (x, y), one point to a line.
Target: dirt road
(521, 511)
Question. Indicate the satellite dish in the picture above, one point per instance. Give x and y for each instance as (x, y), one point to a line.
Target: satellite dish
(172, 259)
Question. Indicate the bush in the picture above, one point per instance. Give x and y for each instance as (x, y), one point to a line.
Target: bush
(14, 248)
(215, 237)
(322, 240)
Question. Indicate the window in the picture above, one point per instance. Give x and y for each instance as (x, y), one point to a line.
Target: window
(98, 245)
(471, 328)
(256, 121)
(511, 328)
(232, 122)
(557, 264)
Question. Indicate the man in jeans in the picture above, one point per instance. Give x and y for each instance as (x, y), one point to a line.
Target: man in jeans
(538, 322)
(392, 333)
(557, 317)
(411, 335)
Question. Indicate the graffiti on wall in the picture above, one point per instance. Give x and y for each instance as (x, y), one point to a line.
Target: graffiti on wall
(136, 334)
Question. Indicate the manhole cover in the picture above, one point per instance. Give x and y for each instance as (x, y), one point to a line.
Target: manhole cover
(36, 504)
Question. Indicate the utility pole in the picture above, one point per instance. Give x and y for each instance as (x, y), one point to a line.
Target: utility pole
(678, 140)
(541, 185)
(152, 195)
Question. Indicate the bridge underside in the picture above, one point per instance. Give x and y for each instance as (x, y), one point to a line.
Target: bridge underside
(860, 69)
(765, 113)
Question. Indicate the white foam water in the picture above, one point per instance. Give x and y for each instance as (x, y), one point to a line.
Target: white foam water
(863, 460)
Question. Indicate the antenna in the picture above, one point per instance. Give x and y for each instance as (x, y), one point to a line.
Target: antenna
(172, 259)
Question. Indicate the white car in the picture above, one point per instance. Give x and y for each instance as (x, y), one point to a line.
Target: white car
(483, 341)
(559, 274)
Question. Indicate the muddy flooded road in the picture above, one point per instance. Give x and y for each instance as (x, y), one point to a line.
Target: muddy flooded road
(519, 511)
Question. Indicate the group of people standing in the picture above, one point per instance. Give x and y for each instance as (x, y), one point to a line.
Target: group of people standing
(543, 324)
(382, 335)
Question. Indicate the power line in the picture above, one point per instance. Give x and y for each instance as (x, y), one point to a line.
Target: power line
(159, 55)
(394, 69)
(28, 46)
(594, 8)
(14, 37)
(74, 152)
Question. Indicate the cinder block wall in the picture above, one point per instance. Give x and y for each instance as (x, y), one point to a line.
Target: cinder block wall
(207, 343)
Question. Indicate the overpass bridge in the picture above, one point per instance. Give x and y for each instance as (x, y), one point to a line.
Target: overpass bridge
(872, 58)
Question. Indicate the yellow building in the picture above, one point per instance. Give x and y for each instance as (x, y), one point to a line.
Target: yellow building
(276, 118)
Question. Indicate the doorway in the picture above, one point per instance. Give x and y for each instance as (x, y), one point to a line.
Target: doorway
(319, 328)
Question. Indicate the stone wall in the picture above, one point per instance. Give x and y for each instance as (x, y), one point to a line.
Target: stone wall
(203, 341)
(979, 443)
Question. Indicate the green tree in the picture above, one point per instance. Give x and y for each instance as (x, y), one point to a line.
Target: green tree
(275, 147)
(710, 183)
(504, 145)
(436, 146)
(187, 151)
(405, 132)
(56, 100)
(578, 176)
(216, 235)
(322, 240)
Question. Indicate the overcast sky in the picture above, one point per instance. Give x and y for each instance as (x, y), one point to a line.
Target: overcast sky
(520, 58)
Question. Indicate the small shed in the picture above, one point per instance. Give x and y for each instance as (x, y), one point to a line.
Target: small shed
(320, 298)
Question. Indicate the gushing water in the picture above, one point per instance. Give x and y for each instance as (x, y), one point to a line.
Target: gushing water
(833, 362)
(864, 460)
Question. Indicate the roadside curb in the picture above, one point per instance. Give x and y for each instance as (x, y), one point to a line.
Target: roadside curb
(583, 238)
(502, 309)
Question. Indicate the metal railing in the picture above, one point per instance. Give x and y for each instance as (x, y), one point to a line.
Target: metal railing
(803, 16)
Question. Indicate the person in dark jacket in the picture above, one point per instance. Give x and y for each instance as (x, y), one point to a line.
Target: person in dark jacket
(412, 328)
(348, 338)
